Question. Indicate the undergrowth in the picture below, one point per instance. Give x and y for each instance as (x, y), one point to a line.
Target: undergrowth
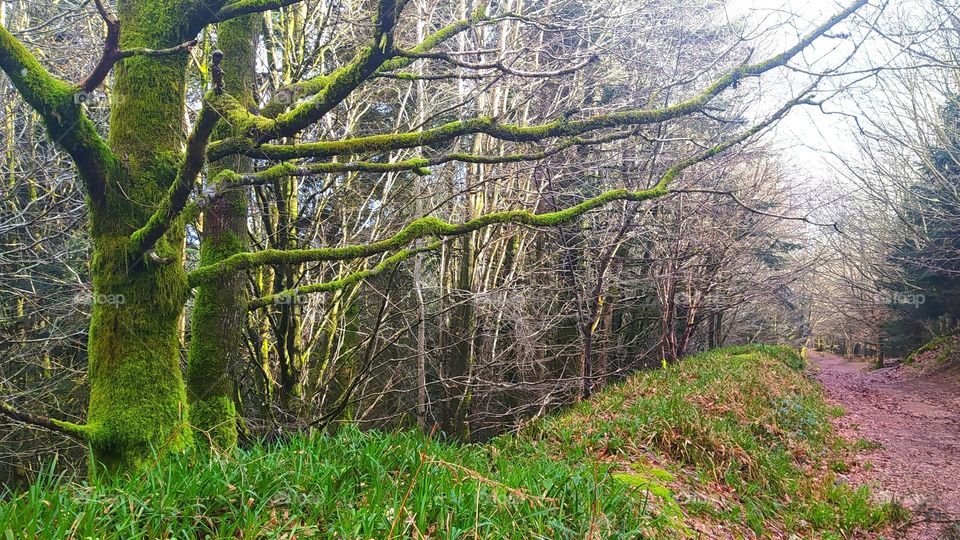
(734, 442)
(941, 349)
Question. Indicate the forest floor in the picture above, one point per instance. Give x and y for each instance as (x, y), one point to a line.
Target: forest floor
(907, 424)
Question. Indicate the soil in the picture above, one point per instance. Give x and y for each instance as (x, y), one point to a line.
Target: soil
(912, 419)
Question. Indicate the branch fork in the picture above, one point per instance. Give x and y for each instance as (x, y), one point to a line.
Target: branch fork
(112, 53)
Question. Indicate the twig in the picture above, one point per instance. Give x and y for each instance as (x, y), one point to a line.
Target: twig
(470, 473)
(745, 206)
(413, 480)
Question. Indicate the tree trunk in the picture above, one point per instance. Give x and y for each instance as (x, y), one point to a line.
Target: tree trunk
(668, 337)
(603, 362)
(715, 335)
(137, 395)
(289, 354)
(586, 360)
(219, 313)
(461, 336)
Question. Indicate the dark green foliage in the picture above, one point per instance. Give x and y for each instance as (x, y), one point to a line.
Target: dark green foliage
(929, 258)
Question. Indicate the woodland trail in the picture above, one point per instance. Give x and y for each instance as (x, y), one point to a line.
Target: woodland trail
(915, 418)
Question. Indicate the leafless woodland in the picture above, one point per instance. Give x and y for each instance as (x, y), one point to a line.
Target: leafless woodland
(509, 322)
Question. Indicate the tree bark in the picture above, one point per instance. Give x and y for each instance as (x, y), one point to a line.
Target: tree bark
(219, 313)
(137, 396)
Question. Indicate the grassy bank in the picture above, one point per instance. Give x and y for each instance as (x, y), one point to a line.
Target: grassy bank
(730, 443)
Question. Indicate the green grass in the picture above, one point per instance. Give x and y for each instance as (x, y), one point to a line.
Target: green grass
(945, 347)
(737, 437)
(866, 444)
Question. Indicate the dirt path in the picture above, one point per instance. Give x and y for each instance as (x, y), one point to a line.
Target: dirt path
(915, 418)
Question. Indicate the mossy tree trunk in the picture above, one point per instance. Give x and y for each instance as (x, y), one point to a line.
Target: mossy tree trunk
(219, 313)
(137, 395)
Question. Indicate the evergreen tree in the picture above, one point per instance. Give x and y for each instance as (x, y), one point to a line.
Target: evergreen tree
(927, 302)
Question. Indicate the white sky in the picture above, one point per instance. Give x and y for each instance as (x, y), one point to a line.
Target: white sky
(806, 132)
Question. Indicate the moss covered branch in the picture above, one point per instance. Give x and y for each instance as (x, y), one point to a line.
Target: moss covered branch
(327, 91)
(296, 91)
(321, 86)
(74, 431)
(59, 105)
(240, 8)
(335, 87)
(433, 227)
(417, 165)
(290, 296)
(561, 127)
(437, 38)
(143, 240)
(673, 172)
(424, 227)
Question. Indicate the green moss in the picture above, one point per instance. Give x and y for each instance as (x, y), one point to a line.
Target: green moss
(238, 116)
(137, 396)
(152, 91)
(219, 313)
(317, 85)
(83, 431)
(327, 92)
(215, 423)
(945, 345)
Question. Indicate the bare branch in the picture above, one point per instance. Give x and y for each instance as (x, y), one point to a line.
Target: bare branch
(74, 431)
(745, 206)
(498, 65)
